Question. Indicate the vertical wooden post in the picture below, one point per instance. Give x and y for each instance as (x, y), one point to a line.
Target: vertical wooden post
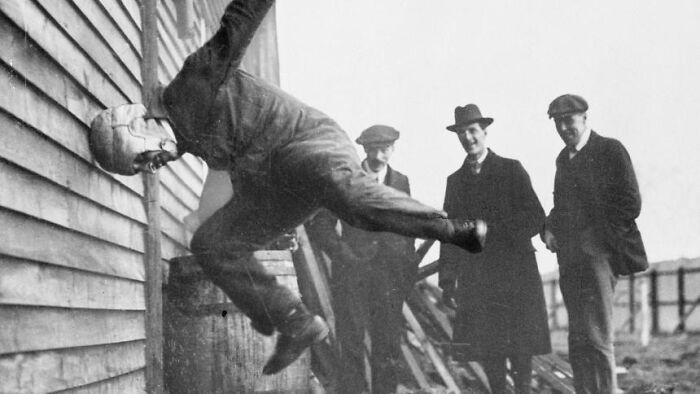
(644, 335)
(681, 300)
(654, 295)
(631, 304)
(154, 295)
(555, 308)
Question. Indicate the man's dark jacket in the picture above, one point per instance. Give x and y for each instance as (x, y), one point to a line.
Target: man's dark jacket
(499, 295)
(597, 190)
(368, 246)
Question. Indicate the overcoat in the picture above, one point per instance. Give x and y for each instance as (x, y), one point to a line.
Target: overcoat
(393, 248)
(499, 295)
(598, 189)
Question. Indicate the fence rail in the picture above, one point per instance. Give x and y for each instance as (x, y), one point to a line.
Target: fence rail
(643, 300)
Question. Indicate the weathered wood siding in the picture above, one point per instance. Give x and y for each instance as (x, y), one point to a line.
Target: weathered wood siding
(72, 235)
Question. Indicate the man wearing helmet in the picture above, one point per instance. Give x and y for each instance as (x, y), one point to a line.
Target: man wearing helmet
(286, 160)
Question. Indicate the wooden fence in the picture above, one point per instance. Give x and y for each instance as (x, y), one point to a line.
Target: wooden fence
(657, 301)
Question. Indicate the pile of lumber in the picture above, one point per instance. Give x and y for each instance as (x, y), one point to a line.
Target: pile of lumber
(426, 340)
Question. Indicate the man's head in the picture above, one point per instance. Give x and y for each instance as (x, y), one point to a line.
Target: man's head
(378, 142)
(470, 127)
(569, 114)
(124, 142)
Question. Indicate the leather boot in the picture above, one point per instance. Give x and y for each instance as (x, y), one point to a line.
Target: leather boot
(298, 331)
(469, 235)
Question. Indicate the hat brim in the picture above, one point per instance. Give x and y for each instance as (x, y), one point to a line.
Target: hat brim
(485, 122)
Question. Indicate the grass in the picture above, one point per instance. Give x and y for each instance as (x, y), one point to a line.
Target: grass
(669, 364)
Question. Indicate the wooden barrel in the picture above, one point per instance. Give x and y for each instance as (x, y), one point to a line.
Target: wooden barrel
(210, 346)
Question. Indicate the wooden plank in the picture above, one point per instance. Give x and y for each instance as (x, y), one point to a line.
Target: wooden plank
(27, 59)
(26, 282)
(75, 26)
(62, 369)
(186, 195)
(169, 35)
(428, 269)
(133, 10)
(153, 255)
(307, 267)
(195, 164)
(316, 295)
(430, 350)
(413, 365)
(52, 203)
(174, 231)
(27, 329)
(32, 68)
(25, 148)
(543, 369)
(66, 248)
(108, 29)
(439, 316)
(133, 382)
(424, 248)
(187, 176)
(123, 21)
(52, 39)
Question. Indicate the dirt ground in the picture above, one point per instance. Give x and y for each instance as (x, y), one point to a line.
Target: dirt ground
(670, 364)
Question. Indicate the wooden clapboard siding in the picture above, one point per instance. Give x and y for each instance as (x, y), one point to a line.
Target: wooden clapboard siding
(71, 250)
(78, 367)
(27, 282)
(131, 382)
(32, 329)
(31, 238)
(58, 206)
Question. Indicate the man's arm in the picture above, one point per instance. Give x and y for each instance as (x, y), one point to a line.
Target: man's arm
(622, 201)
(528, 217)
(226, 48)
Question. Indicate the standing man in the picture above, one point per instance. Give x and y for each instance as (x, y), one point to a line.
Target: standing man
(592, 230)
(285, 160)
(501, 312)
(372, 274)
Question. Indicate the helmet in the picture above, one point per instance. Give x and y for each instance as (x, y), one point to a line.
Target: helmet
(118, 135)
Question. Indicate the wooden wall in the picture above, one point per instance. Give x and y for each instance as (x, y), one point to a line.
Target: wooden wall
(71, 235)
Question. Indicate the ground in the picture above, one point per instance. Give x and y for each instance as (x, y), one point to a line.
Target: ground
(670, 364)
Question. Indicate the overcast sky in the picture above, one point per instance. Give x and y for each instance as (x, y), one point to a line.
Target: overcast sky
(408, 63)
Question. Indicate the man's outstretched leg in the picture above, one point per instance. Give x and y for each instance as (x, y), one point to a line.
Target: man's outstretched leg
(322, 166)
(224, 247)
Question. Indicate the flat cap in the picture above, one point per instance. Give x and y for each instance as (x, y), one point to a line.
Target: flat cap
(378, 134)
(567, 104)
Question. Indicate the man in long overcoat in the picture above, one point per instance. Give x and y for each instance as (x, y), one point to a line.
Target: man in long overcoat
(286, 160)
(593, 231)
(373, 272)
(501, 312)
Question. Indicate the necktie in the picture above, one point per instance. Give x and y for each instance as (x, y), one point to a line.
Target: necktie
(572, 152)
(474, 167)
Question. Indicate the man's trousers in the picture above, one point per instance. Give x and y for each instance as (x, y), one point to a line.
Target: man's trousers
(587, 285)
(318, 168)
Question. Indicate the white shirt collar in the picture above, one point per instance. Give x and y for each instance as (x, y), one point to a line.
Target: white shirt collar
(581, 143)
(381, 175)
(481, 158)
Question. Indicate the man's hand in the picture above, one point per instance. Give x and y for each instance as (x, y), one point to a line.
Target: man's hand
(550, 241)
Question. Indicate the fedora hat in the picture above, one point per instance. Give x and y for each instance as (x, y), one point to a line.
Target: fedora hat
(464, 116)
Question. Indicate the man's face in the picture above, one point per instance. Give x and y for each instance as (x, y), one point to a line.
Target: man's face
(152, 160)
(378, 155)
(473, 139)
(570, 128)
